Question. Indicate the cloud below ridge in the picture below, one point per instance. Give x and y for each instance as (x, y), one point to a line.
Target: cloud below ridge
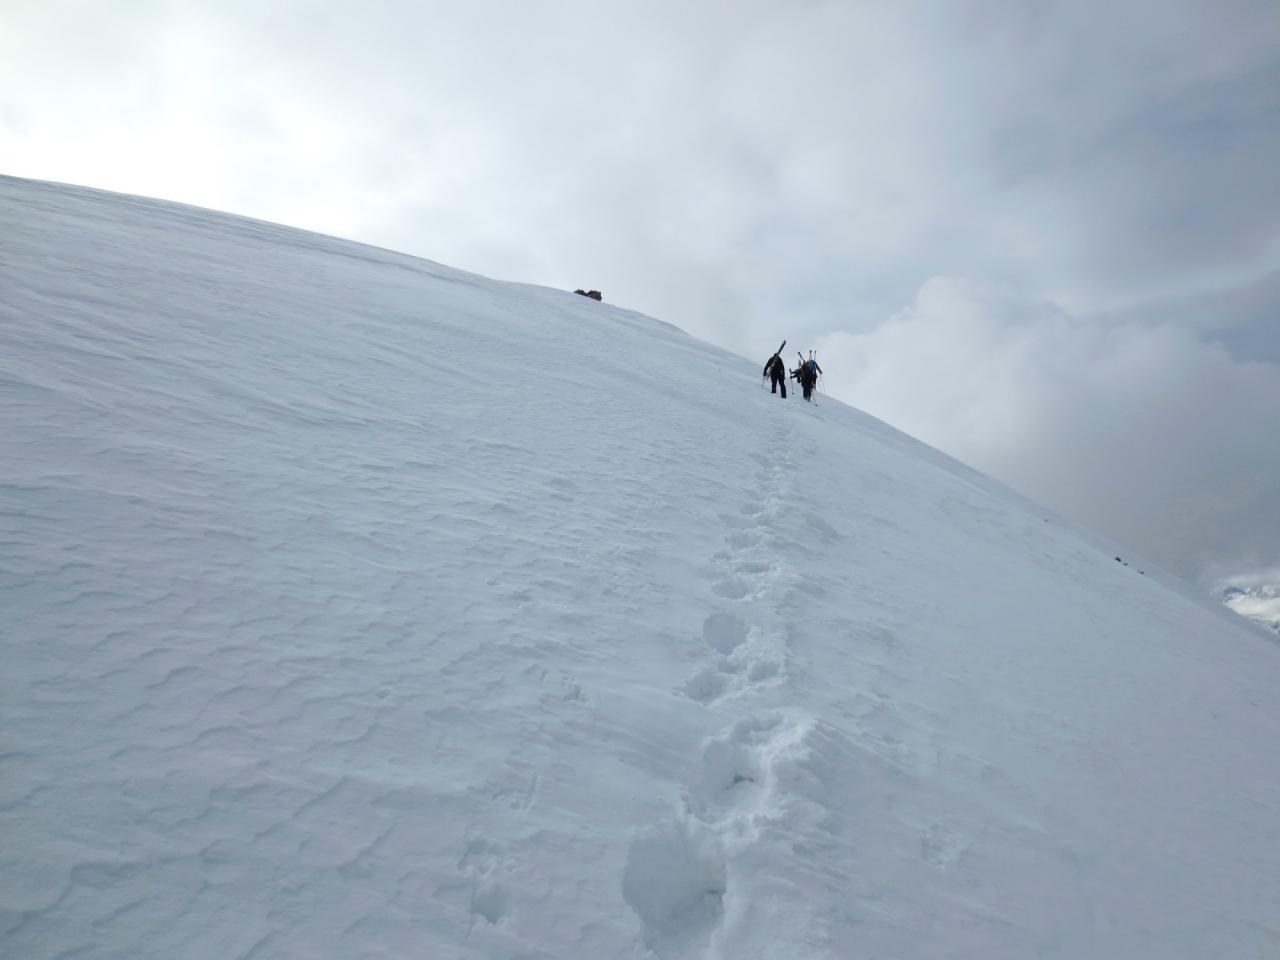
(1141, 430)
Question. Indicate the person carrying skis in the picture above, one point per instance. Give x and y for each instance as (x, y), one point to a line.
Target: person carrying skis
(776, 371)
(807, 374)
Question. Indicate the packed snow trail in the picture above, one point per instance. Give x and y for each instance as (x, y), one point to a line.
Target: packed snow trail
(355, 606)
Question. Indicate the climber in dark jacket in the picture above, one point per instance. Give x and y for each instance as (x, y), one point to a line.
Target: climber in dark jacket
(776, 371)
(807, 374)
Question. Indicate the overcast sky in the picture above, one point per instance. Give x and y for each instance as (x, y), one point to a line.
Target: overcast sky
(1043, 236)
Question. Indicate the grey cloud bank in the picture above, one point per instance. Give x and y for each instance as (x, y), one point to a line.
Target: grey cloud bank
(1042, 237)
(1144, 431)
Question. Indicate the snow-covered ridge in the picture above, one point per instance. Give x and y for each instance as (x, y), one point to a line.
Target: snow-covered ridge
(356, 606)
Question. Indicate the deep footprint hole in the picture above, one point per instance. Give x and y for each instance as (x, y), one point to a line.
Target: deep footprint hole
(674, 880)
(724, 632)
(733, 588)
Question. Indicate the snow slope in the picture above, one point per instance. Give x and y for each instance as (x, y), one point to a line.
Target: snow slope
(354, 606)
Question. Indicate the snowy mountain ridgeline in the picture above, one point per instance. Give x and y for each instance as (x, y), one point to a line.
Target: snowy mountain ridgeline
(355, 606)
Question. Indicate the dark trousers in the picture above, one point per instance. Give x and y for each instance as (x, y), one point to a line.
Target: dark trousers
(778, 380)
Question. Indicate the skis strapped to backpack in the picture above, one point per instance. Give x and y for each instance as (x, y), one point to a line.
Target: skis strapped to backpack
(778, 354)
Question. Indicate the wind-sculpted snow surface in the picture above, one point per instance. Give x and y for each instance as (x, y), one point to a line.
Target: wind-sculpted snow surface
(354, 606)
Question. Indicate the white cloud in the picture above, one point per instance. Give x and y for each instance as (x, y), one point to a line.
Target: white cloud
(1140, 430)
(1254, 595)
